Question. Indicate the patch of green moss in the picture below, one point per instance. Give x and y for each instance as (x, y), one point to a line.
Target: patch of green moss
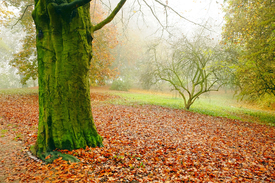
(49, 157)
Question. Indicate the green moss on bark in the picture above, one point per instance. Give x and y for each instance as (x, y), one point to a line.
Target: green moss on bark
(64, 53)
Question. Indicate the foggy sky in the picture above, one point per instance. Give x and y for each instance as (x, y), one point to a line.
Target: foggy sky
(198, 11)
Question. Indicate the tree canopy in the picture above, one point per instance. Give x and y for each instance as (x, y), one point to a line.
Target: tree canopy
(250, 30)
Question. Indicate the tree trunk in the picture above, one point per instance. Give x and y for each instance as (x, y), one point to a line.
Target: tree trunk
(187, 106)
(64, 53)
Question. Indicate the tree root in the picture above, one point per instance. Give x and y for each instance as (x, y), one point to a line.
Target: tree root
(49, 157)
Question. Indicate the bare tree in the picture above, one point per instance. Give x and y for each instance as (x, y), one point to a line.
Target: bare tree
(192, 68)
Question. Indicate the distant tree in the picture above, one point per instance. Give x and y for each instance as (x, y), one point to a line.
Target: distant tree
(5, 17)
(128, 55)
(9, 43)
(249, 29)
(193, 67)
(25, 60)
(148, 65)
(147, 77)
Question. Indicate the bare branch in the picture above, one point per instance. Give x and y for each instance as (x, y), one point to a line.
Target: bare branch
(110, 17)
(151, 9)
(22, 15)
(107, 6)
(166, 6)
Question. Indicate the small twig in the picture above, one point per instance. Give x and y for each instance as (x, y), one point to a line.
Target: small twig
(153, 12)
(22, 15)
(166, 6)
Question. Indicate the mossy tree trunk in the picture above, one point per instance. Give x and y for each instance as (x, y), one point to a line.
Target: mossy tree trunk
(64, 50)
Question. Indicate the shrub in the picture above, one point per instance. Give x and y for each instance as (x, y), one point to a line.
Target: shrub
(120, 85)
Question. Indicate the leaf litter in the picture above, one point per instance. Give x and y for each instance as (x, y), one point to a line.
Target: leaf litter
(142, 143)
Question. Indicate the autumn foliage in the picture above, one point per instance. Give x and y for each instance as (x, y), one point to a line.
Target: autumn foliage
(25, 60)
(4, 13)
(249, 29)
(141, 144)
(103, 43)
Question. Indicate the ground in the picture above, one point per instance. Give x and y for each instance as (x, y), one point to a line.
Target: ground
(142, 143)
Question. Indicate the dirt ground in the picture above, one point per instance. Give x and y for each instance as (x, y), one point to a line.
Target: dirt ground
(11, 151)
(9, 148)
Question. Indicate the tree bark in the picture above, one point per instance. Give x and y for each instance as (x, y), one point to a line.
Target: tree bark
(64, 52)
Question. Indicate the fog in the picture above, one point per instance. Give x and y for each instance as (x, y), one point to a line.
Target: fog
(184, 17)
(139, 24)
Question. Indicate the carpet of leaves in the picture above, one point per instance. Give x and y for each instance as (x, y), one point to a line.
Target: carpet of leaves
(142, 144)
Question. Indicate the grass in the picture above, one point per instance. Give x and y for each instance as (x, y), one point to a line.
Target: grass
(3, 132)
(20, 91)
(220, 104)
(18, 136)
(214, 104)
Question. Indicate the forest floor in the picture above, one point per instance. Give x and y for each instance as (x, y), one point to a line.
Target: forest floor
(142, 143)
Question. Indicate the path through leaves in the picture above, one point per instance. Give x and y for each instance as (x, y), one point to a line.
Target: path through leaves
(143, 144)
